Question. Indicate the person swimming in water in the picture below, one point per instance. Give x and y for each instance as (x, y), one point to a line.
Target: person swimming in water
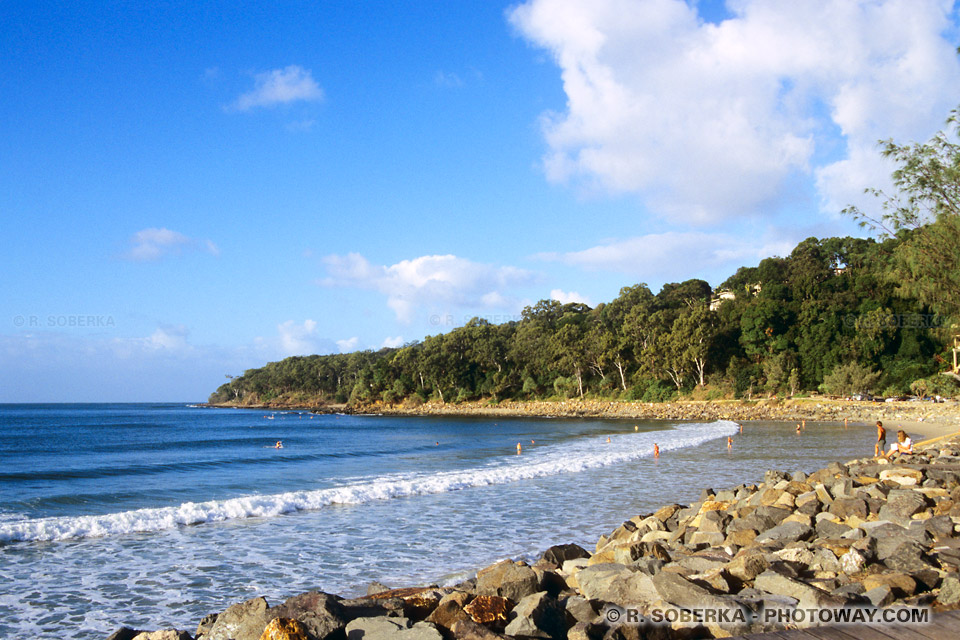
(279, 445)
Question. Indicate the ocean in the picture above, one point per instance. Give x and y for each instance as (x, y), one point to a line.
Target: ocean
(155, 515)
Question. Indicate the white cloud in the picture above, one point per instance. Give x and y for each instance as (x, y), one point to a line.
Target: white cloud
(427, 282)
(709, 121)
(674, 255)
(350, 344)
(392, 343)
(170, 338)
(148, 245)
(298, 339)
(279, 86)
(564, 297)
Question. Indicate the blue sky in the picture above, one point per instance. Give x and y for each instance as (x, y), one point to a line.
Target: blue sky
(189, 190)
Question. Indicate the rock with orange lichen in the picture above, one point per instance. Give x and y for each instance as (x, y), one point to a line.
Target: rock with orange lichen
(489, 610)
(284, 629)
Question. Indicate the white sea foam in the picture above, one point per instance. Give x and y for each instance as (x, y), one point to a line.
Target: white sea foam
(571, 457)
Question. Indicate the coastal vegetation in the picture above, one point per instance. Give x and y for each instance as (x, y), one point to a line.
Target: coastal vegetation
(839, 316)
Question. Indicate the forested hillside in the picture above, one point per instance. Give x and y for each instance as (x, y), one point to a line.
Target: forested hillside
(780, 328)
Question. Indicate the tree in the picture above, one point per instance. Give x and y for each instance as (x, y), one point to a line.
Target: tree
(924, 213)
(850, 378)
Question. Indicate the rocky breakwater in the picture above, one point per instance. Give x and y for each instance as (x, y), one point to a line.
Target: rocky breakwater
(868, 533)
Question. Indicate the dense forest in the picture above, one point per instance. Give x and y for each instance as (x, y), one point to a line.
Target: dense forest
(837, 316)
(824, 318)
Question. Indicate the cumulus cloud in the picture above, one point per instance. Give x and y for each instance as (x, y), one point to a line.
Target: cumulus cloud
(350, 344)
(279, 86)
(709, 121)
(564, 297)
(392, 342)
(148, 245)
(670, 255)
(427, 282)
(298, 339)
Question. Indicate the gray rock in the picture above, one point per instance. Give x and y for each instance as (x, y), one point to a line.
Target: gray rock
(243, 621)
(470, 630)
(830, 529)
(806, 595)
(371, 607)
(648, 565)
(538, 616)
(949, 595)
(616, 583)
(507, 579)
(824, 560)
(124, 633)
(395, 628)
(772, 477)
(849, 590)
(907, 558)
(380, 626)
(786, 533)
(320, 613)
(677, 590)
(586, 631)
(901, 504)
(939, 527)
(700, 564)
(580, 609)
(880, 596)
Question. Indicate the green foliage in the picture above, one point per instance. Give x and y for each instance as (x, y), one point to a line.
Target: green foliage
(924, 215)
(851, 378)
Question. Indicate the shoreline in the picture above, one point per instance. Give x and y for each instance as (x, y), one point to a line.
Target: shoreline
(924, 418)
(865, 533)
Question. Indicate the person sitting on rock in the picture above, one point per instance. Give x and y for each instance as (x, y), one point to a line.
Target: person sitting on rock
(903, 445)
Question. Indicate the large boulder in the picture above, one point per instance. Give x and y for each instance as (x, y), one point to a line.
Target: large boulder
(785, 533)
(616, 583)
(538, 616)
(807, 596)
(560, 553)
(391, 628)
(507, 579)
(243, 621)
(320, 613)
(470, 630)
(901, 504)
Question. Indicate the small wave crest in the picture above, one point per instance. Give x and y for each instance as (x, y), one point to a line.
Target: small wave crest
(566, 458)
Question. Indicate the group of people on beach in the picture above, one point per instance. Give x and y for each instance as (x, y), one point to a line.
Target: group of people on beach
(903, 444)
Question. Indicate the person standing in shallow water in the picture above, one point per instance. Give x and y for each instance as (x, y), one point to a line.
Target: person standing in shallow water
(878, 449)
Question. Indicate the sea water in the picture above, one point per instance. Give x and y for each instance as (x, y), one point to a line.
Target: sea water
(154, 515)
